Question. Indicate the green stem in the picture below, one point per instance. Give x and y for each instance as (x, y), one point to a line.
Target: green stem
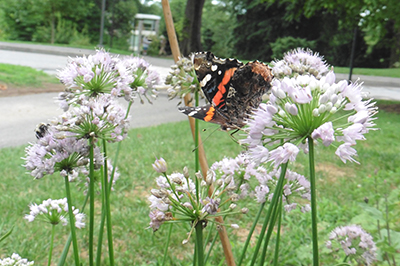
(313, 203)
(64, 254)
(72, 222)
(278, 234)
(246, 244)
(53, 229)
(199, 244)
(271, 225)
(196, 145)
(108, 209)
(91, 202)
(102, 222)
(167, 245)
(211, 247)
(272, 206)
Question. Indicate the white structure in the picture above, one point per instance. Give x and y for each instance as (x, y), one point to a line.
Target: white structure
(144, 25)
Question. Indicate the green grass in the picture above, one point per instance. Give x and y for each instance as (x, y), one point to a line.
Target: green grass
(383, 72)
(21, 76)
(341, 191)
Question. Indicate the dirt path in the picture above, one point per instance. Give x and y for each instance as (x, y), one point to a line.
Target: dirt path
(10, 91)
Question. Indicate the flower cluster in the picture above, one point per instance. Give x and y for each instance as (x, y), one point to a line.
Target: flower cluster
(179, 198)
(182, 79)
(300, 62)
(355, 242)
(304, 107)
(241, 170)
(56, 152)
(15, 260)
(103, 73)
(296, 187)
(54, 212)
(136, 79)
(97, 117)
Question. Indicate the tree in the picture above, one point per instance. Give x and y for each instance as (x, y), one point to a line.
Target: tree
(191, 41)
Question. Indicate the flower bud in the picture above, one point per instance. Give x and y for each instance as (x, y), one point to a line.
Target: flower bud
(186, 172)
(210, 177)
(235, 226)
(160, 165)
(232, 206)
(244, 210)
(176, 180)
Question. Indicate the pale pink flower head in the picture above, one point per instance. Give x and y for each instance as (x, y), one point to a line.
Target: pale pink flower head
(305, 106)
(355, 242)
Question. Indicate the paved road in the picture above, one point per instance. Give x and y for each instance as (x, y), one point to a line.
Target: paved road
(19, 115)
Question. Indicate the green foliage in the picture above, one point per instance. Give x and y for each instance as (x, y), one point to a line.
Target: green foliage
(342, 189)
(282, 45)
(154, 46)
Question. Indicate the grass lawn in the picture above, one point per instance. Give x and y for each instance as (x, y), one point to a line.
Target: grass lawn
(22, 76)
(342, 193)
(384, 72)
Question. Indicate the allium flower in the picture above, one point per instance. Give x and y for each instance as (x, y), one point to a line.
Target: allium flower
(182, 79)
(300, 62)
(103, 73)
(90, 75)
(355, 242)
(305, 107)
(54, 212)
(238, 171)
(97, 117)
(176, 199)
(56, 152)
(296, 191)
(15, 260)
(136, 79)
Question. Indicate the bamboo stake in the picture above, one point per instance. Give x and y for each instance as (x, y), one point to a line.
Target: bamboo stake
(173, 41)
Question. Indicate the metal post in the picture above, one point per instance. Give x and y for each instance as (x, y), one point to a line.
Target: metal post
(353, 49)
(103, 9)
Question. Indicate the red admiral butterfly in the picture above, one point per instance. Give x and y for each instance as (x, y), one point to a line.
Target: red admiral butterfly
(232, 88)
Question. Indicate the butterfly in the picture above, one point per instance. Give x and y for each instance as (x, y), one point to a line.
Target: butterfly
(233, 89)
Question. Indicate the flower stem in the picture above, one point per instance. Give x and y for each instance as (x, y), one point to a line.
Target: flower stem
(270, 212)
(53, 229)
(71, 222)
(196, 145)
(91, 202)
(64, 254)
(199, 244)
(313, 203)
(271, 225)
(106, 192)
(246, 244)
(167, 244)
(278, 234)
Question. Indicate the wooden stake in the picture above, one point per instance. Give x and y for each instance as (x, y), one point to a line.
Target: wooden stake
(173, 41)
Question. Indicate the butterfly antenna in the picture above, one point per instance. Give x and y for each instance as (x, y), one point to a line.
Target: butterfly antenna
(202, 141)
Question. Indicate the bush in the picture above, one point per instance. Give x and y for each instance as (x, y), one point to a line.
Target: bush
(281, 45)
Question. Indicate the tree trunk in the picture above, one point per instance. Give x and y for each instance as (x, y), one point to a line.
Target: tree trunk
(192, 27)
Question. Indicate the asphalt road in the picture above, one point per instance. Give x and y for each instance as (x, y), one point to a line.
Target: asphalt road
(19, 115)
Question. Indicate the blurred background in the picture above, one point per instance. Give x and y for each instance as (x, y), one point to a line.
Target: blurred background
(245, 29)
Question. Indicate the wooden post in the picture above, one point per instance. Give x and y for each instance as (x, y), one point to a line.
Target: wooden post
(173, 41)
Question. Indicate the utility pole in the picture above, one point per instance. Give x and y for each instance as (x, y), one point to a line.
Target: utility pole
(103, 10)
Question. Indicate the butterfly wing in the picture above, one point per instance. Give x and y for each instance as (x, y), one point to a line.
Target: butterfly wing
(214, 75)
